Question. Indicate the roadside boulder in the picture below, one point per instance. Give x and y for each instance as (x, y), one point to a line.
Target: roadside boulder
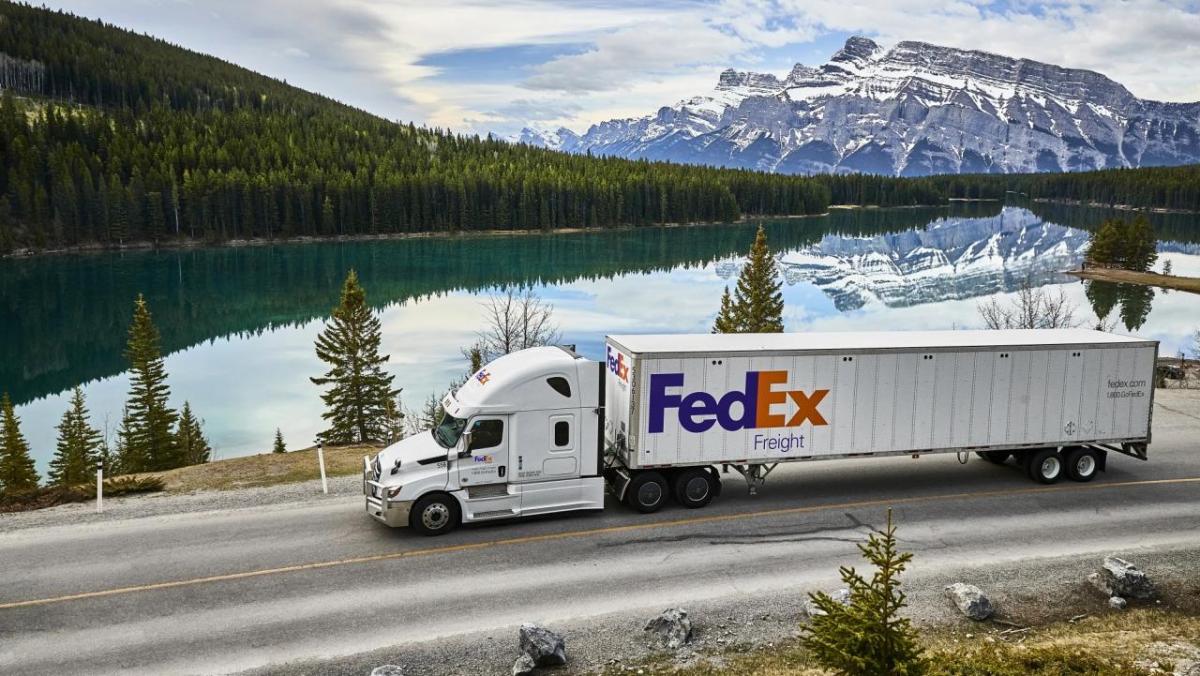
(1116, 603)
(971, 600)
(673, 627)
(1118, 577)
(524, 666)
(842, 596)
(543, 646)
(387, 670)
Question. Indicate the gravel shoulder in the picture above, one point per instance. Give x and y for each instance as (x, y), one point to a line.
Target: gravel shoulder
(302, 493)
(1035, 593)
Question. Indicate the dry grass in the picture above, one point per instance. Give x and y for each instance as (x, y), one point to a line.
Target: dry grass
(266, 469)
(1191, 284)
(1109, 644)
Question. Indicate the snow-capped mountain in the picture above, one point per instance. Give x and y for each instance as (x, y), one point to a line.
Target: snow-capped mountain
(911, 110)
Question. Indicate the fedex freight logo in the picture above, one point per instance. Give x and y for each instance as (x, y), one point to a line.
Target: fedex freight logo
(699, 411)
(617, 364)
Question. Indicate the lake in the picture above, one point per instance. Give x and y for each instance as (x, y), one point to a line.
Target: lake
(238, 323)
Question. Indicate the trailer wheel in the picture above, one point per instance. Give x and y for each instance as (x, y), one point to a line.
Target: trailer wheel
(435, 514)
(995, 457)
(1045, 466)
(1081, 464)
(694, 487)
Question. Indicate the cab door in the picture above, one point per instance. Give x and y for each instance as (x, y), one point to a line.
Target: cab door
(485, 459)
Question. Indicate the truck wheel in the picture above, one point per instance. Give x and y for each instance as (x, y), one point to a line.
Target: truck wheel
(1081, 464)
(995, 457)
(435, 514)
(1045, 466)
(647, 492)
(694, 487)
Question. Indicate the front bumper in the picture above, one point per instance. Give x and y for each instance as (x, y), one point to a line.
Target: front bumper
(391, 512)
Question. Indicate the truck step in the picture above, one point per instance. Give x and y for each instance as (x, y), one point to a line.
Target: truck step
(487, 491)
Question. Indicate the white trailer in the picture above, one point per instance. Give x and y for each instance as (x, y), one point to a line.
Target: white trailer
(544, 430)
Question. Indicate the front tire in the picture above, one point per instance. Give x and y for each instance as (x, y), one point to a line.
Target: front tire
(1045, 466)
(694, 488)
(1082, 464)
(436, 514)
(647, 492)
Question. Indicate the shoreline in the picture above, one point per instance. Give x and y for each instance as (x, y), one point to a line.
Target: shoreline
(1186, 284)
(1117, 207)
(186, 244)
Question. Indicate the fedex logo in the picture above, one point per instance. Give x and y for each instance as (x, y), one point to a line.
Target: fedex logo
(483, 376)
(617, 364)
(699, 411)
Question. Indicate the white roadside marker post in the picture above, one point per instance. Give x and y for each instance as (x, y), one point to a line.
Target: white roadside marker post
(99, 490)
(321, 460)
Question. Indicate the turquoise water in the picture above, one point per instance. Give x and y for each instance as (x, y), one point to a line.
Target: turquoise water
(238, 324)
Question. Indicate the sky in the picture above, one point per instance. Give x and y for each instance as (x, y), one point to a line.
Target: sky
(480, 66)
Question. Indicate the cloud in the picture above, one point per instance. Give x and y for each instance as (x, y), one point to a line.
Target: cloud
(612, 58)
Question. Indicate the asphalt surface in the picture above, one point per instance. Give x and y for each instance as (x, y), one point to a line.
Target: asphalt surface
(225, 591)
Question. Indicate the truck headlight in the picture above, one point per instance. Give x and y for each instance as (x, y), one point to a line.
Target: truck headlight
(394, 491)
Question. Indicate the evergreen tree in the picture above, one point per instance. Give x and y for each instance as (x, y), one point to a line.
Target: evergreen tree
(189, 438)
(1167, 268)
(279, 446)
(1105, 244)
(725, 322)
(1141, 246)
(868, 636)
(757, 305)
(17, 473)
(79, 445)
(148, 441)
(355, 404)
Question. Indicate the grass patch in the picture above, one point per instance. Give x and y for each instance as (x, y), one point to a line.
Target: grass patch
(266, 469)
(1106, 645)
(49, 496)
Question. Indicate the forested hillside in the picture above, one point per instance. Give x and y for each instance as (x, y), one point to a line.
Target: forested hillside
(109, 137)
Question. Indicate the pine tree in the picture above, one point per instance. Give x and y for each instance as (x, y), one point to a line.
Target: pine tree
(725, 321)
(17, 474)
(279, 446)
(868, 636)
(1167, 268)
(1141, 247)
(355, 404)
(1104, 245)
(189, 439)
(758, 299)
(79, 445)
(148, 441)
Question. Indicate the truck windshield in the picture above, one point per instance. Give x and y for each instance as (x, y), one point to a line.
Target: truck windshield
(449, 430)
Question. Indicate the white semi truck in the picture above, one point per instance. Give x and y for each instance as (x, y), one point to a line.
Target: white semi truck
(544, 430)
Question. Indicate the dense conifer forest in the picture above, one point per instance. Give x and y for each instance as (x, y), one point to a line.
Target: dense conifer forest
(109, 137)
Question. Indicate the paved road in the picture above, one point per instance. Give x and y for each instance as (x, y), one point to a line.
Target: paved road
(232, 590)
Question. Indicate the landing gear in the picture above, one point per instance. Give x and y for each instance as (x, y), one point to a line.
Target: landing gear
(755, 475)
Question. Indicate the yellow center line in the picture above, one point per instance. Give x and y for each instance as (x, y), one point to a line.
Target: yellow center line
(591, 532)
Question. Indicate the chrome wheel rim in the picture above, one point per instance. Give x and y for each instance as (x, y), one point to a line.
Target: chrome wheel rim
(649, 494)
(1085, 465)
(696, 489)
(435, 516)
(1051, 467)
